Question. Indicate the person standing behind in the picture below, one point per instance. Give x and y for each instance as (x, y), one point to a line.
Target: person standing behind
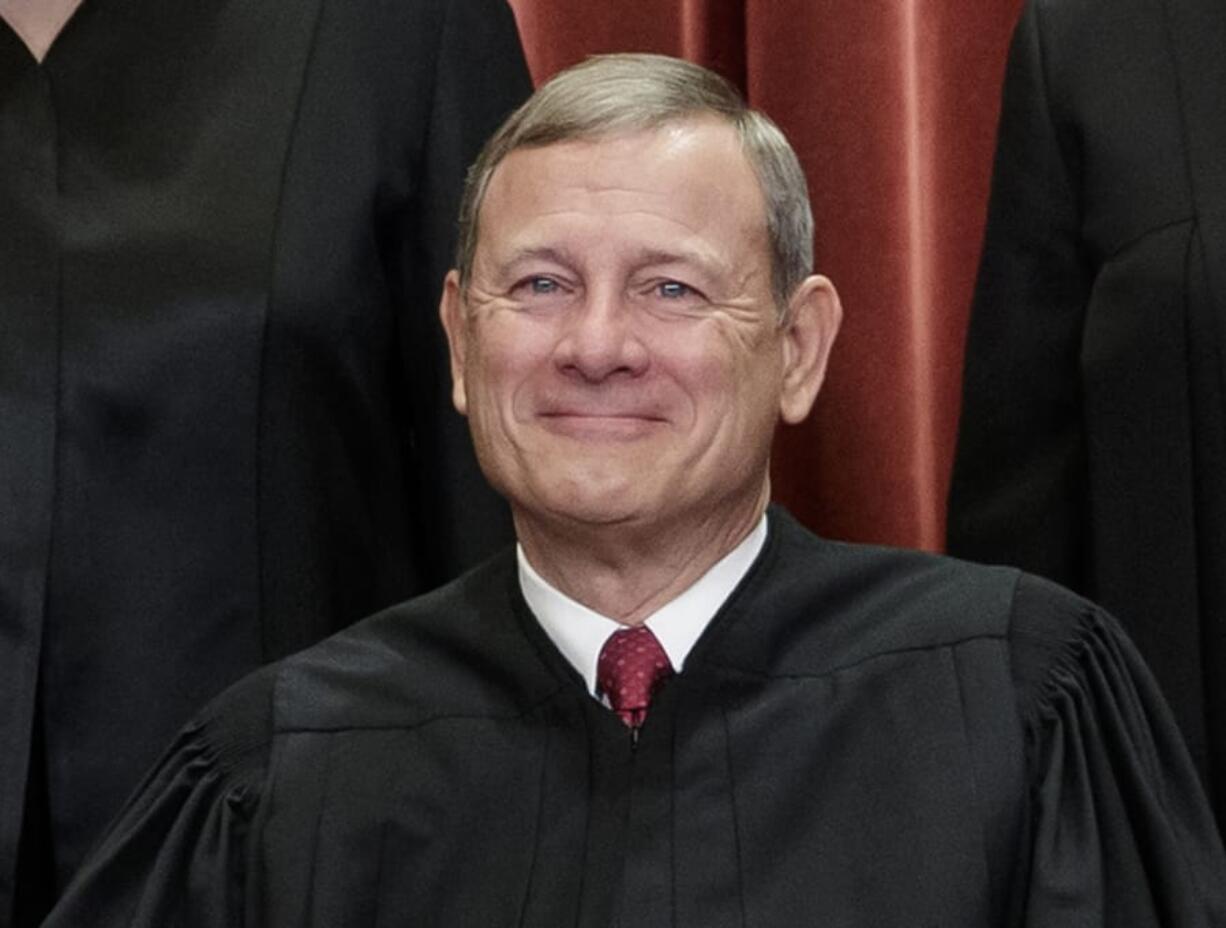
(222, 381)
(1092, 444)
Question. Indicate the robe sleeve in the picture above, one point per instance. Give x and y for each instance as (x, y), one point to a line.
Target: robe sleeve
(479, 77)
(1018, 490)
(1120, 831)
(178, 854)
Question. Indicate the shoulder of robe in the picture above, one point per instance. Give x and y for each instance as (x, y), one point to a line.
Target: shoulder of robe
(810, 605)
(1054, 634)
(233, 732)
(459, 651)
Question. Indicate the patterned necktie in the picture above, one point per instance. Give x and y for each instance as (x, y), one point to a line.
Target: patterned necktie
(630, 668)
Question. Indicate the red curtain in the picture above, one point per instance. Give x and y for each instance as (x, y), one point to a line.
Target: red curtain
(892, 107)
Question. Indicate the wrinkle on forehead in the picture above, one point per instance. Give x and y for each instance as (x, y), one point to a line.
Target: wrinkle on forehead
(574, 239)
(707, 206)
(683, 194)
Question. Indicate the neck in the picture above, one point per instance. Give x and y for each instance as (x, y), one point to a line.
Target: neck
(38, 22)
(626, 571)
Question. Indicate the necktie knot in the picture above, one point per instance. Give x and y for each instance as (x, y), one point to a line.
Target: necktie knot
(632, 664)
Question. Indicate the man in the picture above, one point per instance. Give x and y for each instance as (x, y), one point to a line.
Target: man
(670, 707)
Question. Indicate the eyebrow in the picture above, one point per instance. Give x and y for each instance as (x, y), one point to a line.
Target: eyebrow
(645, 257)
(538, 253)
(704, 261)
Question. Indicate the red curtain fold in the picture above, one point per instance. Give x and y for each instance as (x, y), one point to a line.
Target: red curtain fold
(891, 106)
(559, 34)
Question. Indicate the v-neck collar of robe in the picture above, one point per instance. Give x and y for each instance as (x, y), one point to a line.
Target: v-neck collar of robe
(579, 632)
(40, 41)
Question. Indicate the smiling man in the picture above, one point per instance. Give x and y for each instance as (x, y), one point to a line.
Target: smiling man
(622, 358)
(672, 705)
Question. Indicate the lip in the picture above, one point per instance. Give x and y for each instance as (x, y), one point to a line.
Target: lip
(601, 424)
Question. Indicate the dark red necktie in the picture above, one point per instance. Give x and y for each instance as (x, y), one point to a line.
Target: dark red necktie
(630, 668)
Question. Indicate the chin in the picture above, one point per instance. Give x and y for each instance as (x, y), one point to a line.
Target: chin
(590, 499)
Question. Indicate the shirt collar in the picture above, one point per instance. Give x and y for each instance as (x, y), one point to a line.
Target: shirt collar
(579, 632)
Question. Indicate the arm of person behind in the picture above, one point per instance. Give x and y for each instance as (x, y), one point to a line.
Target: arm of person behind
(1018, 494)
(480, 76)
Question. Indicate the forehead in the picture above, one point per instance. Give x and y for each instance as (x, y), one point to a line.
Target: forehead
(685, 179)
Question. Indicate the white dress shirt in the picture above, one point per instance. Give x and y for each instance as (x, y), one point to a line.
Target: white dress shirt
(580, 633)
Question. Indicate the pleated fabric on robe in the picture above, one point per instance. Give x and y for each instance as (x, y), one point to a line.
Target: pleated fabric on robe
(862, 737)
(227, 428)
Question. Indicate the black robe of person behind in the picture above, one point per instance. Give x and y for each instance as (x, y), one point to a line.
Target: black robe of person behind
(862, 737)
(225, 418)
(1092, 442)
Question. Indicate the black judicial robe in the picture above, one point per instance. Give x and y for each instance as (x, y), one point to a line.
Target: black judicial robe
(225, 425)
(862, 737)
(1092, 444)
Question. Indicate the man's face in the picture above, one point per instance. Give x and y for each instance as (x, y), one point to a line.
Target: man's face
(618, 353)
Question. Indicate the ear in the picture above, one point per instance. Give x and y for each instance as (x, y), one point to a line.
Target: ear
(814, 314)
(451, 312)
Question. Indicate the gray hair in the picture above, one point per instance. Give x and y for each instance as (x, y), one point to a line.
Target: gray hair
(613, 94)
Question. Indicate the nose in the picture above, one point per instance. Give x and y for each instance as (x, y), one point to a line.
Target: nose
(601, 339)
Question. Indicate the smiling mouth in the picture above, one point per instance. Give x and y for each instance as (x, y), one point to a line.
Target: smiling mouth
(581, 424)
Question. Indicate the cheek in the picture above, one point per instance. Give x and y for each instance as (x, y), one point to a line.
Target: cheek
(723, 368)
(507, 357)
(737, 395)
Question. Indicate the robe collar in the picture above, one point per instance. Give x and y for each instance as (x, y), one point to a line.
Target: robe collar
(579, 632)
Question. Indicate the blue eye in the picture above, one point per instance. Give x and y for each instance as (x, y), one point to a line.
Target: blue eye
(543, 285)
(673, 290)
